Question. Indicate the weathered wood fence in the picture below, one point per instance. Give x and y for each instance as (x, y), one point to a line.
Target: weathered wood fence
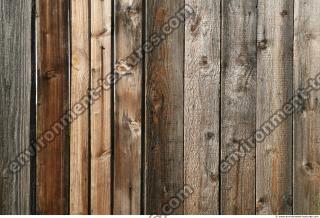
(115, 106)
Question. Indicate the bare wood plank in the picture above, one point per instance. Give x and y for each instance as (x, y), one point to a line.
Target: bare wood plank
(101, 109)
(79, 129)
(164, 110)
(15, 80)
(201, 107)
(52, 104)
(274, 84)
(307, 121)
(128, 118)
(238, 100)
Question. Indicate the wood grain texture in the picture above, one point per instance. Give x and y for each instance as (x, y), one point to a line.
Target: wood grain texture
(127, 169)
(52, 104)
(79, 129)
(15, 80)
(164, 110)
(201, 107)
(238, 97)
(274, 89)
(101, 110)
(307, 120)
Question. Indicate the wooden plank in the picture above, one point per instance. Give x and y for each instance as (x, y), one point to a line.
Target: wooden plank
(15, 79)
(307, 121)
(79, 129)
(52, 104)
(164, 110)
(127, 170)
(201, 107)
(238, 99)
(101, 110)
(274, 84)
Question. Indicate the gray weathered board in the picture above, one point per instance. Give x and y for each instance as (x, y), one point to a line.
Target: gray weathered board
(15, 96)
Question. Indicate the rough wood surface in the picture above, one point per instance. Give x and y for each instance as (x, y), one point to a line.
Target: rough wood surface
(238, 97)
(79, 129)
(101, 110)
(15, 82)
(307, 120)
(52, 104)
(274, 89)
(127, 170)
(164, 110)
(201, 107)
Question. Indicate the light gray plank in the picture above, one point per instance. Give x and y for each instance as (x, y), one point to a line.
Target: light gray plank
(201, 107)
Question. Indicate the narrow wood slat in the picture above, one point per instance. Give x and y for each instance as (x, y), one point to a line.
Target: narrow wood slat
(201, 107)
(274, 84)
(15, 80)
(52, 104)
(101, 109)
(79, 129)
(127, 169)
(307, 120)
(238, 99)
(164, 110)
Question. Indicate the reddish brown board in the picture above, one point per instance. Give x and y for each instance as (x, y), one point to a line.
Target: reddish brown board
(164, 110)
(52, 103)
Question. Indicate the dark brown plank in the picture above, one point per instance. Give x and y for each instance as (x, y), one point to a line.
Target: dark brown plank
(238, 99)
(201, 107)
(52, 103)
(127, 169)
(164, 110)
(15, 91)
(307, 120)
(274, 89)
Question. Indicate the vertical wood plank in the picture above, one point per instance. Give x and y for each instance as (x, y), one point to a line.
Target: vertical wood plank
(201, 107)
(52, 104)
(15, 80)
(127, 170)
(79, 129)
(274, 84)
(164, 109)
(307, 120)
(238, 99)
(101, 110)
